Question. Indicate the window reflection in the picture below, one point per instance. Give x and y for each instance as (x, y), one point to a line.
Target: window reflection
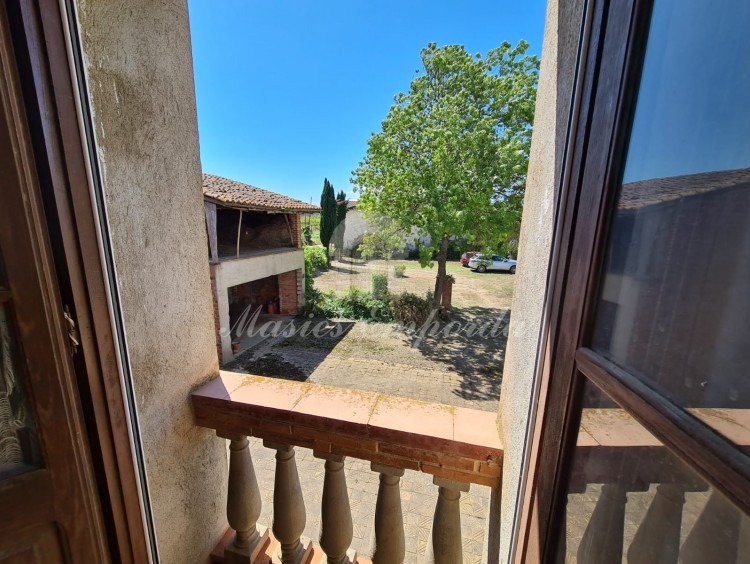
(630, 499)
(675, 297)
(19, 446)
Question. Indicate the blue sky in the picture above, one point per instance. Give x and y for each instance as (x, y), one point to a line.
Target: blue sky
(289, 91)
(692, 113)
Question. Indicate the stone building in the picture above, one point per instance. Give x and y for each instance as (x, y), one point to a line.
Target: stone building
(255, 253)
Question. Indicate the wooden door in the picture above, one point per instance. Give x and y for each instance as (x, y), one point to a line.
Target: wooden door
(49, 507)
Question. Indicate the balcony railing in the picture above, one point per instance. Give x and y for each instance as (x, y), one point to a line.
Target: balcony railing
(457, 446)
(631, 497)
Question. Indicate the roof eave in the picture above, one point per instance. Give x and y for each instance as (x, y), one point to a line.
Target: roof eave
(251, 207)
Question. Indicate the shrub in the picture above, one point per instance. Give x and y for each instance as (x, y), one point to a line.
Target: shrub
(317, 257)
(307, 234)
(315, 260)
(379, 286)
(411, 308)
(399, 270)
(355, 304)
(313, 300)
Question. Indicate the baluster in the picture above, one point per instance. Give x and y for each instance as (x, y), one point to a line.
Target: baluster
(602, 541)
(243, 503)
(390, 547)
(447, 545)
(288, 506)
(337, 530)
(715, 535)
(657, 540)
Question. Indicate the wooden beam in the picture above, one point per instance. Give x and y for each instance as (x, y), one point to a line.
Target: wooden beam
(239, 231)
(210, 209)
(291, 233)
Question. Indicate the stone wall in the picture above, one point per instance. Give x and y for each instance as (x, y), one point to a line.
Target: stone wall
(556, 81)
(138, 65)
(217, 321)
(240, 271)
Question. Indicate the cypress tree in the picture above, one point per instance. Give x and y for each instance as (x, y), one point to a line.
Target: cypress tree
(338, 234)
(327, 216)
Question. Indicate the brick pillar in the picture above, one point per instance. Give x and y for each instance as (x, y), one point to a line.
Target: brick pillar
(300, 288)
(295, 222)
(289, 292)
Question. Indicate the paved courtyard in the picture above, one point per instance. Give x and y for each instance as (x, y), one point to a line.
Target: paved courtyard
(458, 364)
(448, 365)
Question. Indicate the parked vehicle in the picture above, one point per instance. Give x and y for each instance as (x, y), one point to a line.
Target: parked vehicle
(466, 257)
(483, 263)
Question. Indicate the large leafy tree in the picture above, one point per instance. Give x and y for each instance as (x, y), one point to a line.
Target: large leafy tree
(452, 154)
(327, 216)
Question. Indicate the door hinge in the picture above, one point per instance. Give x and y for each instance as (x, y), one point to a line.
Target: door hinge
(73, 337)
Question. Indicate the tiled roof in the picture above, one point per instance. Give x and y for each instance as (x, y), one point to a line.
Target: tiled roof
(235, 193)
(657, 190)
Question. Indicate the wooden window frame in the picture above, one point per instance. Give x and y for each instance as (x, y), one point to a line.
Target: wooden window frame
(613, 41)
(54, 91)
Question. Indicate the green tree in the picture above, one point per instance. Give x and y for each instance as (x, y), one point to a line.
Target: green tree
(327, 216)
(338, 233)
(384, 238)
(452, 154)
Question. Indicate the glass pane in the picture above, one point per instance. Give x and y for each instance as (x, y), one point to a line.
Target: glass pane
(631, 500)
(19, 445)
(675, 301)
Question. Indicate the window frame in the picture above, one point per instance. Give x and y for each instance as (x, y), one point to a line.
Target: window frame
(612, 46)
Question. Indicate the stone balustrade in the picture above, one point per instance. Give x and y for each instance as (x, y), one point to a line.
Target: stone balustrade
(457, 446)
(616, 461)
(649, 506)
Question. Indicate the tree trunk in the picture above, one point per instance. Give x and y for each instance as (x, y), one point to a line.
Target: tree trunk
(328, 255)
(440, 278)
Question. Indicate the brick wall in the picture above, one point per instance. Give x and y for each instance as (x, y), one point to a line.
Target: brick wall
(290, 291)
(217, 323)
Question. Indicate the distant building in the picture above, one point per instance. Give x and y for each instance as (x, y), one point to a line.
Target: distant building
(255, 253)
(357, 226)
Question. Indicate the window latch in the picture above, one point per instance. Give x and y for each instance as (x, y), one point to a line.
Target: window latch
(73, 336)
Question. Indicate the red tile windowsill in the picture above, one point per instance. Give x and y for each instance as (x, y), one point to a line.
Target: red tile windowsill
(450, 442)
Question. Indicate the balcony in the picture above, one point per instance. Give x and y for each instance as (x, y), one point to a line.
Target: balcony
(627, 495)
(457, 446)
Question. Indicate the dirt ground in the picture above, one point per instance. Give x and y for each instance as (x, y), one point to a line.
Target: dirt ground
(491, 289)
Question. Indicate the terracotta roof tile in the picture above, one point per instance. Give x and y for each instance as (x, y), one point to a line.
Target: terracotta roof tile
(235, 193)
(644, 193)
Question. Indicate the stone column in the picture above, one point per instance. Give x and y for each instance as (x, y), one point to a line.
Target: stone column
(447, 541)
(390, 547)
(243, 503)
(336, 515)
(657, 539)
(715, 534)
(603, 538)
(288, 505)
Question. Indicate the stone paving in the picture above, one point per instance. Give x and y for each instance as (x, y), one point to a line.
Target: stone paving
(461, 370)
